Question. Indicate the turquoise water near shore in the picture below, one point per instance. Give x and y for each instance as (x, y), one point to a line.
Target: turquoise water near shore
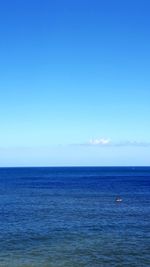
(68, 217)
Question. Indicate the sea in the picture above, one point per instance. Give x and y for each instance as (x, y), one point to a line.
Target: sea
(69, 217)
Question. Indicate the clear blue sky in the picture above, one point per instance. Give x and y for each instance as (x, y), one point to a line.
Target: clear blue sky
(72, 71)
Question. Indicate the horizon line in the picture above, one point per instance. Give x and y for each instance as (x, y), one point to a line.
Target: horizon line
(80, 166)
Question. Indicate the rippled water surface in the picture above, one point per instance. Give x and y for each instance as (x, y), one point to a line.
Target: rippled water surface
(68, 217)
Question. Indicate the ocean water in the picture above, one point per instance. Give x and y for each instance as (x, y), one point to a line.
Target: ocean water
(68, 217)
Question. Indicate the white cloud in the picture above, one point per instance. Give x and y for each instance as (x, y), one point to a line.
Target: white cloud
(107, 142)
(99, 141)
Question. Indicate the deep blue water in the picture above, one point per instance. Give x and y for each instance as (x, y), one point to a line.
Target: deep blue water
(68, 217)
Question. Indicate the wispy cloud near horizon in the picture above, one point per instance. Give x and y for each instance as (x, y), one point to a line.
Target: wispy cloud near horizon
(99, 141)
(108, 142)
(132, 143)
